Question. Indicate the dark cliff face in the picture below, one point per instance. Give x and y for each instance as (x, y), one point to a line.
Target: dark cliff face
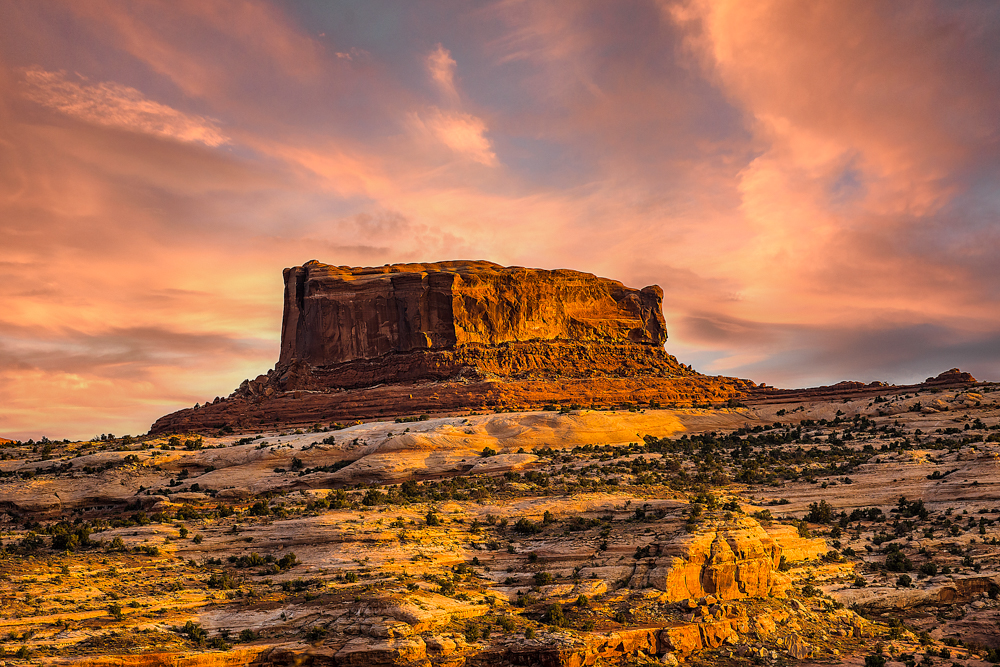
(334, 314)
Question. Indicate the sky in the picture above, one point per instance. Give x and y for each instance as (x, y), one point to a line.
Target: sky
(813, 185)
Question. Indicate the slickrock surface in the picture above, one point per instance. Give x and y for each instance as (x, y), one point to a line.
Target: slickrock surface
(817, 530)
(358, 343)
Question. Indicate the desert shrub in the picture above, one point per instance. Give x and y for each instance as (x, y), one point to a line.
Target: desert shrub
(896, 560)
(373, 497)
(820, 512)
(195, 632)
(260, 508)
(876, 658)
(543, 578)
(223, 580)
(526, 527)
(554, 615)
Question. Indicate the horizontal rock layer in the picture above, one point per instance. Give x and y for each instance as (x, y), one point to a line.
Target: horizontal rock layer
(513, 361)
(304, 408)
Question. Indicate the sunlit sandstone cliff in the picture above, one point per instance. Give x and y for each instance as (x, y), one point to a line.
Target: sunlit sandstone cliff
(457, 335)
(353, 327)
(336, 314)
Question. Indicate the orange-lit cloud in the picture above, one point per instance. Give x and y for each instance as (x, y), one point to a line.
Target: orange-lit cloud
(116, 105)
(811, 184)
(442, 69)
(463, 133)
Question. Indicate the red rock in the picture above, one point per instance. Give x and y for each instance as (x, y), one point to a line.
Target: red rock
(402, 339)
(949, 377)
(349, 327)
(336, 314)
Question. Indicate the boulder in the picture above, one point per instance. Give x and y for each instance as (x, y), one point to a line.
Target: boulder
(798, 648)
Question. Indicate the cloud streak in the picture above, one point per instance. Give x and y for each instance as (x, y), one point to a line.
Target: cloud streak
(115, 105)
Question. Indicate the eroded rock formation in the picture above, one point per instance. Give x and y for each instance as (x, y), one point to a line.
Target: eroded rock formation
(336, 314)
(736, 560)
(457, 335)
(349, 327)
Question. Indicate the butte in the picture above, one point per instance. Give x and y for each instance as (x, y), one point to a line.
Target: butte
(448, 337)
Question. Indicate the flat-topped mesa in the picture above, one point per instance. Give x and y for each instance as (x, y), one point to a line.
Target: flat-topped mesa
(406, 339)
(351, 326)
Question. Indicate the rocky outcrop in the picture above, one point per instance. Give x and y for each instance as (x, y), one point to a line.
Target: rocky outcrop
(400, 339)
(304, 408)
(348, 327)
(953, 378)
(335, 314)
(729, 561)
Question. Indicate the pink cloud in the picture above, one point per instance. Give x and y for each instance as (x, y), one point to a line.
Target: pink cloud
(464, 134)
(201, 44)
(115, 105)
(800, 179)
(441, 66)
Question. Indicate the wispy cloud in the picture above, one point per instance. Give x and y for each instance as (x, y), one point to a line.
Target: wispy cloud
(808, 182)
(115, 105)
(463, 133)
(441, 66)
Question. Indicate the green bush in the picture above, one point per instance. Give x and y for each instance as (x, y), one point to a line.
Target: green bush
(543, 578)
(526, 527)
(554, 615)
(195, 632)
